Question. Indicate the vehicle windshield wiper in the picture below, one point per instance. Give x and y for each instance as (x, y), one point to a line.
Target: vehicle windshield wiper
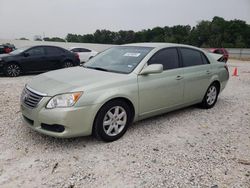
(102, 69)
(96, 68)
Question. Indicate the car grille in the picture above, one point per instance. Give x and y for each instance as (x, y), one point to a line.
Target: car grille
(30, 98)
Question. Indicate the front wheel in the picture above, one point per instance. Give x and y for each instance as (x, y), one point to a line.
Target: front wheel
(112, 121)
(210, 97)
(12, 70)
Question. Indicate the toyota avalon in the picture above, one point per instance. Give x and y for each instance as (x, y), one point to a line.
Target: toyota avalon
(119, 86)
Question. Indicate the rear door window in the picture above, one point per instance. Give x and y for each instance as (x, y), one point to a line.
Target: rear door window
(191, 57)
(167, 57)
(36, 51)
(53, 51)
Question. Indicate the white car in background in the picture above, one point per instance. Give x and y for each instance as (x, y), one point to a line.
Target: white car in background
(84, 53)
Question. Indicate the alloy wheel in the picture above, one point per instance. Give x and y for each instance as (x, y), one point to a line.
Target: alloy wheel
(211, 95)
(114, 121)
(13, 70)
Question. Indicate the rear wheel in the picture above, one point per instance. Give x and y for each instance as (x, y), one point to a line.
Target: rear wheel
(112, 121)
(12, 70)
(67, 64)
(211, 96)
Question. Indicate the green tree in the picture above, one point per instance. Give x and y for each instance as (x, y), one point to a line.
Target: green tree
(54, 39)
(216, 33)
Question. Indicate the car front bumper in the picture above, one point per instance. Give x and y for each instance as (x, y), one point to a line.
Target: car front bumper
(60, 122)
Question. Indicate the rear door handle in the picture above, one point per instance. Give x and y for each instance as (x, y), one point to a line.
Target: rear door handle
(179, 77)
(208, 72)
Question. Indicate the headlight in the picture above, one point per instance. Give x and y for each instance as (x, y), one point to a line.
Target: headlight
(64, 100)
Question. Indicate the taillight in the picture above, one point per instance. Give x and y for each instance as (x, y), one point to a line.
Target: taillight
(77, 56)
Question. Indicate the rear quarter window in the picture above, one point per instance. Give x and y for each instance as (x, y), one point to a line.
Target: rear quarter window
(204, 59)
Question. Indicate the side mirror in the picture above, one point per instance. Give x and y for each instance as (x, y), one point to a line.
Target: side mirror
(26, 54)
(152, 69)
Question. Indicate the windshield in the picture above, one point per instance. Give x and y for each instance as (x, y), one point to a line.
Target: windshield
(121, 59)
(19, 50)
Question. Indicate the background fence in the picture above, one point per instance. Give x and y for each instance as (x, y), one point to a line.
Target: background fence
(239, 53)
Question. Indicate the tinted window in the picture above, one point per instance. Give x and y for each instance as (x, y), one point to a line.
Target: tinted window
(80, 50)
(84, 50)
(1, 49)
(191, 57)
(204, 59)
(218, 51)
(36, 51)
(54, 50)
(74, 50)
(167, 57)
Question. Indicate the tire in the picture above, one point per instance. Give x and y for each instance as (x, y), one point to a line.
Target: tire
(211, 96)
(67, 64)
(112, 121)
(12, 70)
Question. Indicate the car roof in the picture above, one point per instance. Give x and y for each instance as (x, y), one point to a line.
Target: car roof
(160, 45)
(79, 47)
(45, 46)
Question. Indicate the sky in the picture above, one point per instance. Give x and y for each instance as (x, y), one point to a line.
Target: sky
(26, 18)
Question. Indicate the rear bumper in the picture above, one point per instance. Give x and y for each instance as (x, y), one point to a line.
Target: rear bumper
(223, 85)
(60, 122)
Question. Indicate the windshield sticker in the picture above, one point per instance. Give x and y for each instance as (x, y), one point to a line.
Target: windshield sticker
(132, 54)
(130, 66)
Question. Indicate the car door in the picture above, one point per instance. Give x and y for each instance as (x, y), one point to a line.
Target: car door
(54, 56)
(33, 59)
(164, 90)
(196, 73)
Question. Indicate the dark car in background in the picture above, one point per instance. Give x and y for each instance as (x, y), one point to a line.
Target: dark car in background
(221, 51)
(6, 48)
(37, 59)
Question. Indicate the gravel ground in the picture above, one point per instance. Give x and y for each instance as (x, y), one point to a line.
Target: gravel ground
(186, 148)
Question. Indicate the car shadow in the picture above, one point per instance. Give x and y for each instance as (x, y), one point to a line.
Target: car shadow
(83, 141)
(80, 142)
(163, 117)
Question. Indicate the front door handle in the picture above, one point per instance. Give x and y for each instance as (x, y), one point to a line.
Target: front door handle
(179, 77)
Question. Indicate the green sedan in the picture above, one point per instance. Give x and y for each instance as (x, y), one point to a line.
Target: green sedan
(119, 86)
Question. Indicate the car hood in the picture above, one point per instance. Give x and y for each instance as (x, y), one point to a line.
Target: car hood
(72, 79)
